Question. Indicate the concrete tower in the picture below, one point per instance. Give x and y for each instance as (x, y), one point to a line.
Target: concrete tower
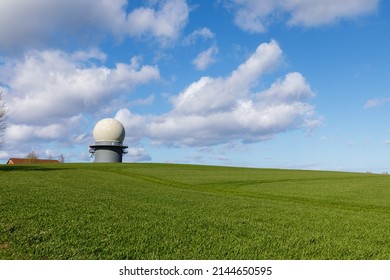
(109, 135)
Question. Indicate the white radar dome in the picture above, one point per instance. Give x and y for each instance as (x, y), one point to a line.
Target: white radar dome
(109, 130)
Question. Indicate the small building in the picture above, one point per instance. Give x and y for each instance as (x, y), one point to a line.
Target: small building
(31, 161)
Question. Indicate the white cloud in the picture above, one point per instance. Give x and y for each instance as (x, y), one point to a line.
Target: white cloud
(251, 15)
(52, 84)
(216, 94)
(89, 54)
(202, 33)
(61, 130)
(255, 16)
(32, 23)
(246, 121)
(137, 154)
(135, 125)
(292, 87)
(165, 23)
(29, 133)
(224, 109)
(205, 58)
(375, 102)
(48, 92)
(144, 101)
(19, 133)
(39, 23)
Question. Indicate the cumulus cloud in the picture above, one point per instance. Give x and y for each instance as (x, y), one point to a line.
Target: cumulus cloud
(48, 91)
(138, 154)
(164, 23)
(219, 110)
(54, 84)
(255, 16)
(292, 87)
(39, 23)
(216, 94)
(135, 125)
(205, 58)
(60, 130)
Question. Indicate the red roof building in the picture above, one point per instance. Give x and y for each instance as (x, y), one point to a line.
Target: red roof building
(30, 161)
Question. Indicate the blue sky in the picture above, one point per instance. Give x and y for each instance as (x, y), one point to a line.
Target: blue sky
(280, 84)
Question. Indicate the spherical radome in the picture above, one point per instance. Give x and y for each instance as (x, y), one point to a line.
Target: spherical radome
(109, 130)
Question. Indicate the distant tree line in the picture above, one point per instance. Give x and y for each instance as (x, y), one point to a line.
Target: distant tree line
(34, 156)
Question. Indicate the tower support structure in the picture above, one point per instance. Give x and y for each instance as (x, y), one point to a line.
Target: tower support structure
(107, 151)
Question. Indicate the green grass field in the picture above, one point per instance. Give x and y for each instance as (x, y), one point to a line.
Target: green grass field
(166, 211)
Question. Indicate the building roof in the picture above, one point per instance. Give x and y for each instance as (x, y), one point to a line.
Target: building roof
(30, 161)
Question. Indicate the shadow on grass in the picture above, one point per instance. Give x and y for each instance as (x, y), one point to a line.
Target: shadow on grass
(30, 167)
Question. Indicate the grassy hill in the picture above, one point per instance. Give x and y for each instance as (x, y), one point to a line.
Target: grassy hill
(165, 211)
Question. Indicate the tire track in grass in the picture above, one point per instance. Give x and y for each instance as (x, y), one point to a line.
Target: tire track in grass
(225, 188)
